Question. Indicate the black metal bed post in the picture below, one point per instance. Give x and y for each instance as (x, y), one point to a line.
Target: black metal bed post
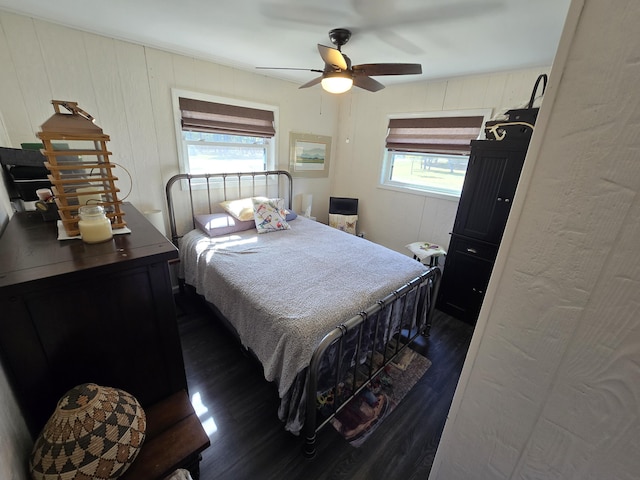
(432, 294)
(170, 209)
(312, 388)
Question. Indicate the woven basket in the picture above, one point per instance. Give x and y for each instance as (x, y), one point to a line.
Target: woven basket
(94, 433)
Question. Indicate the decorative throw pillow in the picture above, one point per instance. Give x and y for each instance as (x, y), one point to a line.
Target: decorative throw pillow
(269, 215)
(215, 224)
(346, 223)
(280, 203)
(242, 209)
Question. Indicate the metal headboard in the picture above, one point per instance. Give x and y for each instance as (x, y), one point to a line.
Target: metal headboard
(240, 182)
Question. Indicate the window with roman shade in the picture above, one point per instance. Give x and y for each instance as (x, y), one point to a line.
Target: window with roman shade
(217, 136)
(447, 135)
(430, 153)
(210, 117)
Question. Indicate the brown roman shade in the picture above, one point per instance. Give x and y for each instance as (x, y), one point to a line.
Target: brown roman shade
(210, 117)
(445, 135)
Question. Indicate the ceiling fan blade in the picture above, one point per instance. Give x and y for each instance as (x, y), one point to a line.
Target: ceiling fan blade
(367, 83)
(374, 69)
(333, 57)
(311, 83)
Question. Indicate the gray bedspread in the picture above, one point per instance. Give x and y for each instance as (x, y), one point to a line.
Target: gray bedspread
(283, 291)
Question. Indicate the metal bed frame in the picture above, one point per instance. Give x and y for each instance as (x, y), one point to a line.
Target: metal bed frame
(225, 182)
(420, 293)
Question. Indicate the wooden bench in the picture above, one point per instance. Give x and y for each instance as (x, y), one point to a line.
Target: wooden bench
(174, 439)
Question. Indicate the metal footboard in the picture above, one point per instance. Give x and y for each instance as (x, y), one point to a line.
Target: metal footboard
(376, 345)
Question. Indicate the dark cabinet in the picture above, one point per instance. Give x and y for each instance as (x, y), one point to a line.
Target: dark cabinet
(468, 268)
(75, 313)
(489, 186)
(488, 191)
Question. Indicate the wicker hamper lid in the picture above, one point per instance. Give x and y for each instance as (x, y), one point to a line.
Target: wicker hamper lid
(94, 433)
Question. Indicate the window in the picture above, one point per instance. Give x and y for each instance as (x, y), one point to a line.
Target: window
(430, 154)
(220, 137)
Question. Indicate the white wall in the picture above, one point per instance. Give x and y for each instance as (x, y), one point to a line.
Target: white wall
(6, 210)
(393, 218)
(127, 88)
(15, 441)
(550, 386)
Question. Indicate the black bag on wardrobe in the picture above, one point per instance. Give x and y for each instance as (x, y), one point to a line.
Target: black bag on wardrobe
(520, 121)
(529, 114)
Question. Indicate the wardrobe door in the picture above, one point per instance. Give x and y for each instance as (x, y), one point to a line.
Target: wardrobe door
(489, 187)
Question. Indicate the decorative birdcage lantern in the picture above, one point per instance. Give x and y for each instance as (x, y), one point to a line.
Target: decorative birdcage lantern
(78, 161)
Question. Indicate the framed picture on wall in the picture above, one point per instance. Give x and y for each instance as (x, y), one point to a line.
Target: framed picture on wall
(309, 155)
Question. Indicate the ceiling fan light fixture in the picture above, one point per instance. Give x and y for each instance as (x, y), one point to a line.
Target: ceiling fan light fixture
(337, 82)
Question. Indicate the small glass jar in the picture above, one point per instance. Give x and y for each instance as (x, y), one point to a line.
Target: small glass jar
(94, 225)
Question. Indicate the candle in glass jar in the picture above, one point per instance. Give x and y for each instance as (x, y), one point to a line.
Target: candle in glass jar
(94, 225)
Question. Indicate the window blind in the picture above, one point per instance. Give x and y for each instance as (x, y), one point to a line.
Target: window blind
(210, 117)
(446, 135)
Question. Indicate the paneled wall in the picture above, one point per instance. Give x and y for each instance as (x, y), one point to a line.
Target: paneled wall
(127, 88)
(5, 207)
(389, 217)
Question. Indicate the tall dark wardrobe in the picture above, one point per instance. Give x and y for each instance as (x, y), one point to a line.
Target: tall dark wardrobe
(488, 190)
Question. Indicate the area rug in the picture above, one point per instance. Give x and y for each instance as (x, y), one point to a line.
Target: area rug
(358, 420)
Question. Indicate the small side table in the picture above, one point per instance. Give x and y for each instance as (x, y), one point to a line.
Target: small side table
(423, 251)
(175, 438)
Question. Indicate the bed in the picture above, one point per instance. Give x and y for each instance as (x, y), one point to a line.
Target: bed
(323, 311)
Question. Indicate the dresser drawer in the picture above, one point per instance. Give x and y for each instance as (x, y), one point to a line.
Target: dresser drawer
(465, 278)
(466, 246)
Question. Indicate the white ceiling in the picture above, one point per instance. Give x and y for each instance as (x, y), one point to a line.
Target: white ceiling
(448, 37)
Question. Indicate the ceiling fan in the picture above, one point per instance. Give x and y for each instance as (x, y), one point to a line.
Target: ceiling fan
(339, 75)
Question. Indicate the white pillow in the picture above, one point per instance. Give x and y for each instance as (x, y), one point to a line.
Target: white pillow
(242, 209)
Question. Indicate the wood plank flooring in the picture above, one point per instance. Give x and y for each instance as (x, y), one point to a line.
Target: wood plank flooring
(249, 442)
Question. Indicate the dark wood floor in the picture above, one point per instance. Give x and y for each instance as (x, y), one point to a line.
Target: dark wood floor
(249, 442)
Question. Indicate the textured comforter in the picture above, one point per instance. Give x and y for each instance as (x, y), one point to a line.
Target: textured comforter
(284, 290)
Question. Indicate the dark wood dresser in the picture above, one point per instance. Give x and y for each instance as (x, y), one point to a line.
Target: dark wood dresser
(73, 313)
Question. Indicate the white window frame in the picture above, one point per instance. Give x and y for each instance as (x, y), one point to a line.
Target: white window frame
(182, 145)
(387, 163)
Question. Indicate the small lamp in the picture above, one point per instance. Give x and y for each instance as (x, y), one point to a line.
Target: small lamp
(337, 82)
(307, 201)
